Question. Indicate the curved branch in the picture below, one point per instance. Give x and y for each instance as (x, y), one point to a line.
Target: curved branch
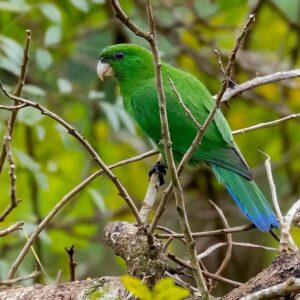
(259, 81)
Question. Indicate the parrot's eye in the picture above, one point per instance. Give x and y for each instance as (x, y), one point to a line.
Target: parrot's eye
(119, 55)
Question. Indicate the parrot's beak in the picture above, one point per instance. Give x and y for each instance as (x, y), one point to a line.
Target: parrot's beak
(104, 69)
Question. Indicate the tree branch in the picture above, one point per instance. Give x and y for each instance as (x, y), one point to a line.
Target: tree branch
(259, 81)
(72, 131)
(266, 124)
(62, 203)
(12, 228)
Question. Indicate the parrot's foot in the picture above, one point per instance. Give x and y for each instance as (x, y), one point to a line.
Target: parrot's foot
(161, 170)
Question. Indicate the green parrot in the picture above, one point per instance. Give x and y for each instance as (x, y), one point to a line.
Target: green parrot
(133, 68)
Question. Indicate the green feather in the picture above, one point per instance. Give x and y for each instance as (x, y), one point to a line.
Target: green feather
(135, 75)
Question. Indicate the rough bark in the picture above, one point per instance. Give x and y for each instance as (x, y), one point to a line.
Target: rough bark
(143, 254)
(146, 259)
(282, 268)
(109, 288)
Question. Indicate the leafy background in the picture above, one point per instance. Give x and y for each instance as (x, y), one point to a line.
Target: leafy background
(67, 37)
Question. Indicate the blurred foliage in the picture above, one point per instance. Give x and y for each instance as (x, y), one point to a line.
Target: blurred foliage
(67, 37)
(164, 289)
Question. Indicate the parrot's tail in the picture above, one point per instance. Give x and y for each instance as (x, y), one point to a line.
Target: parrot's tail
(248, 197)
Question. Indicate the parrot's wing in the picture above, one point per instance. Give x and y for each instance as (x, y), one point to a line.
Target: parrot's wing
(183, 131)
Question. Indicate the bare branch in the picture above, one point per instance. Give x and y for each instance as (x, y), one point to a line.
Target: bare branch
(10, 123)
(214, 247)
(62, 203)
(207, 274)
(286, 227)
(17, 92)
(272, 186)
(120, 14)
(72, 262)
(18, 279)
(72, 131)
(12, 228)
(266, 124)
(259, 81)
(13, 107)
(187, 111)
(207, 233)
(229, 240)
(274, 291)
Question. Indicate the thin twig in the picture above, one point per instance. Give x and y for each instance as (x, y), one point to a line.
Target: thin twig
(12, 228)
(62, 203)
(206, 233)
(207, 274)
(120, 14)
(259, 81)
(36, 256)
(272, 186)
(266, 124)
(18, 279)
(58, 277)
(214, 247)
(285, 236)
(187, 111)
(12, 175)
(275, 291)
(72, 131)
(72, 262)
(17, 92)
(228, 237)
(13, 107)
(181, 282)
(10, 123)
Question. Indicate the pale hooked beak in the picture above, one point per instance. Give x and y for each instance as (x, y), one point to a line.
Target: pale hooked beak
(104, 69)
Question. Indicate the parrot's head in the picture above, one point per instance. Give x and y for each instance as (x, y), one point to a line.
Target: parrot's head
(125, 61)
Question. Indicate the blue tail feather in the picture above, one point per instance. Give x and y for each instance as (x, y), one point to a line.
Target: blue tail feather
(248, 197)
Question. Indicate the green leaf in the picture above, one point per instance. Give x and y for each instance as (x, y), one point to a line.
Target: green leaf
(43, 59)
(12, 53)
(166, 289)
(51, 12)
(64, 85)
(9, 66)
(124, 117)
(81, 5)
(34, 167)
(29, 116)
(26, 161)
(13, 7)
(41, 179)
(110, 112)
(34, 90)
(290, 8)
(96, 94)
(40, 132)
(98, 1)
(98, 200)
(53, 35)
(136, 287)
(65, 137)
